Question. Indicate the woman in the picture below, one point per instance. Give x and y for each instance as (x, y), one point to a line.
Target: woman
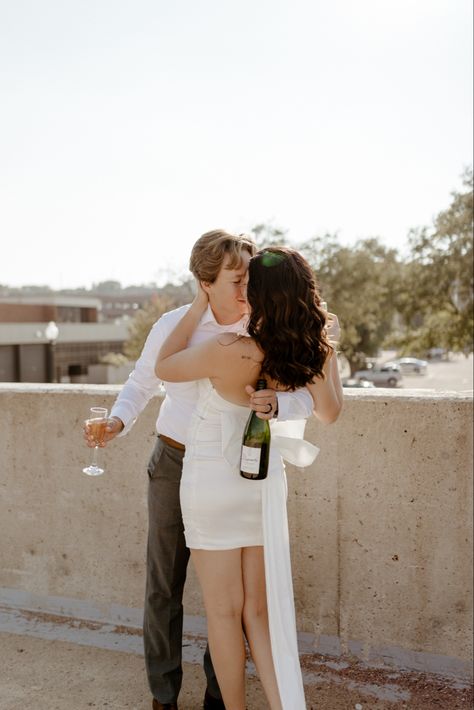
(236, 528)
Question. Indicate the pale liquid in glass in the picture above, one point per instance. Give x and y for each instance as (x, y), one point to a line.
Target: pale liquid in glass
(97, 426)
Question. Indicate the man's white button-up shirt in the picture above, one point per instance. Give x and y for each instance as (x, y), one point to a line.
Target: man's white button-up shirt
(181, 397)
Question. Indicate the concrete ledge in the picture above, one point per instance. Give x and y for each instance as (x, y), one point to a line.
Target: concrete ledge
(374, 394)
(381, 523)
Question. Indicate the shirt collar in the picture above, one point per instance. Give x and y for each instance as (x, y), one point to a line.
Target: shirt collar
(239, 326)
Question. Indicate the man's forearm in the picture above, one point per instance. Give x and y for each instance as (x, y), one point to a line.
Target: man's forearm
(133, 399)
(142, 384)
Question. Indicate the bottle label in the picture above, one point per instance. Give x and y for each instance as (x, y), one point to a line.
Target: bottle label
(250, 459)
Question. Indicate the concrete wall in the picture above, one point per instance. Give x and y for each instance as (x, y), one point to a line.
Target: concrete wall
(381, 524)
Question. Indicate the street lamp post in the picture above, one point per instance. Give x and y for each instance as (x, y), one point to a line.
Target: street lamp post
(51, 333)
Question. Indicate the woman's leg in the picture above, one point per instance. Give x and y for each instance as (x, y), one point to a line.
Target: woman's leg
(255, 619)
(220, 577)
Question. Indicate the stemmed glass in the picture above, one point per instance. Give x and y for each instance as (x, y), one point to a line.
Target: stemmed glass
(96, 424)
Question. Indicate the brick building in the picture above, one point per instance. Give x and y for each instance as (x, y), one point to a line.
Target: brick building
(26, 355)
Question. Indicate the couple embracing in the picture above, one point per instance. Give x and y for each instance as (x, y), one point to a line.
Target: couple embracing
(256, 315)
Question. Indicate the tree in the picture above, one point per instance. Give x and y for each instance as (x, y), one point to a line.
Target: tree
(107, 287)
(143, 322)
(436, 298)
(165, 299)
(359, 284)
(267, 236)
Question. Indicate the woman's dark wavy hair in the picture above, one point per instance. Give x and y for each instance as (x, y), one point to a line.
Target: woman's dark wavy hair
(285, 319)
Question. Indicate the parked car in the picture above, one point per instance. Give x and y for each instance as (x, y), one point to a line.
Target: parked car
(410, 365)
(388, 375)
(364, 384)
(437, 354)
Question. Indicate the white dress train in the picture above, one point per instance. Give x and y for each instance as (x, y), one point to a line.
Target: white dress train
(221, 510)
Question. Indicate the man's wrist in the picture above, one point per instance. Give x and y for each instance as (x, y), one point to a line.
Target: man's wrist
(117, 419)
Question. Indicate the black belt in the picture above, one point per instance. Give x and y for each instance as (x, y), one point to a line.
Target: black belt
(171, 442)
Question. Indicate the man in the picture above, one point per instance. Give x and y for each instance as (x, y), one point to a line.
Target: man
(220, 261)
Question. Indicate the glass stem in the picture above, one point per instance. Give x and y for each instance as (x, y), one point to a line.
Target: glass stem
(95, 456)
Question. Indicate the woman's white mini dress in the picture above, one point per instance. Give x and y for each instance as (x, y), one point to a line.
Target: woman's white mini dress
(222, 511)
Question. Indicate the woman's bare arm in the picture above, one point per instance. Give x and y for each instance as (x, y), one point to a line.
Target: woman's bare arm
(176, 362)
(225, 357)
(327, 393)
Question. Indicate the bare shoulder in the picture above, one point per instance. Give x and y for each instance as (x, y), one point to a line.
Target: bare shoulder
(228, 339)
(237, 364)
(241, 346)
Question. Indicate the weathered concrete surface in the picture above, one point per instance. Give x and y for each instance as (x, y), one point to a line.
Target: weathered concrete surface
(381, 524)
(53, 663)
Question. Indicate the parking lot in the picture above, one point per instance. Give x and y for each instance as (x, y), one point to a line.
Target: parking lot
(455, 375)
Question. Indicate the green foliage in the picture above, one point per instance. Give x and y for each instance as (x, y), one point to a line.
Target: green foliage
(436, 301)
(423, 302)
(267, 236)
(115, 359)
(107, 287)
(143, 322)
(358, 284)
(179, 294)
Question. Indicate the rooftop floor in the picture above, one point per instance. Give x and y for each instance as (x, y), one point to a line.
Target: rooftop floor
(52, 663)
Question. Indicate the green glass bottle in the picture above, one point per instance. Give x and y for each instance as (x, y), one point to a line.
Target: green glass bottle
(255, 445)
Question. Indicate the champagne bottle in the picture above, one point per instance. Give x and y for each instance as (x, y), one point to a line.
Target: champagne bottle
(255, 444)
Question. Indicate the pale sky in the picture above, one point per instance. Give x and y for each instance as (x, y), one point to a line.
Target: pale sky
(129, 128)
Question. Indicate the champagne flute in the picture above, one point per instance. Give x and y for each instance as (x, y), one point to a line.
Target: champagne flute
(97, 424)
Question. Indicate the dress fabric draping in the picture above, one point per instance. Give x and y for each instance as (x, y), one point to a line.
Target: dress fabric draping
(221, 510)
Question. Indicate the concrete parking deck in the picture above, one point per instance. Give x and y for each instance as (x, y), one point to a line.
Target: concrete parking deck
(53, 662)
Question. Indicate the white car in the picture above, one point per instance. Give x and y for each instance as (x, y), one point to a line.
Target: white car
(387, 375)
(411, 365)
(362, 384)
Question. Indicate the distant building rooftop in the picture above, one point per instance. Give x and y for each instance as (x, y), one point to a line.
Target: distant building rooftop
(58, 300)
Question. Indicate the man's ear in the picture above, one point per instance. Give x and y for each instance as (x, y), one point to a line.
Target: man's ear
(206, 286)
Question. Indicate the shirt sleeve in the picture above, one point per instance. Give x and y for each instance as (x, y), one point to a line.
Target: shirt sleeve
(142, 383)
(294, 405)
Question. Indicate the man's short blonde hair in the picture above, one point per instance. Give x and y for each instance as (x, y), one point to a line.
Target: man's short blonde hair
(208, 253)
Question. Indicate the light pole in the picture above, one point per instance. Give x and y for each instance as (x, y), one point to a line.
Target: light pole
(51, 332)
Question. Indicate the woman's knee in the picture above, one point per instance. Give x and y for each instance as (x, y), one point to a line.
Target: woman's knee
(227, 603)
(225, 608)
(254, 610)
